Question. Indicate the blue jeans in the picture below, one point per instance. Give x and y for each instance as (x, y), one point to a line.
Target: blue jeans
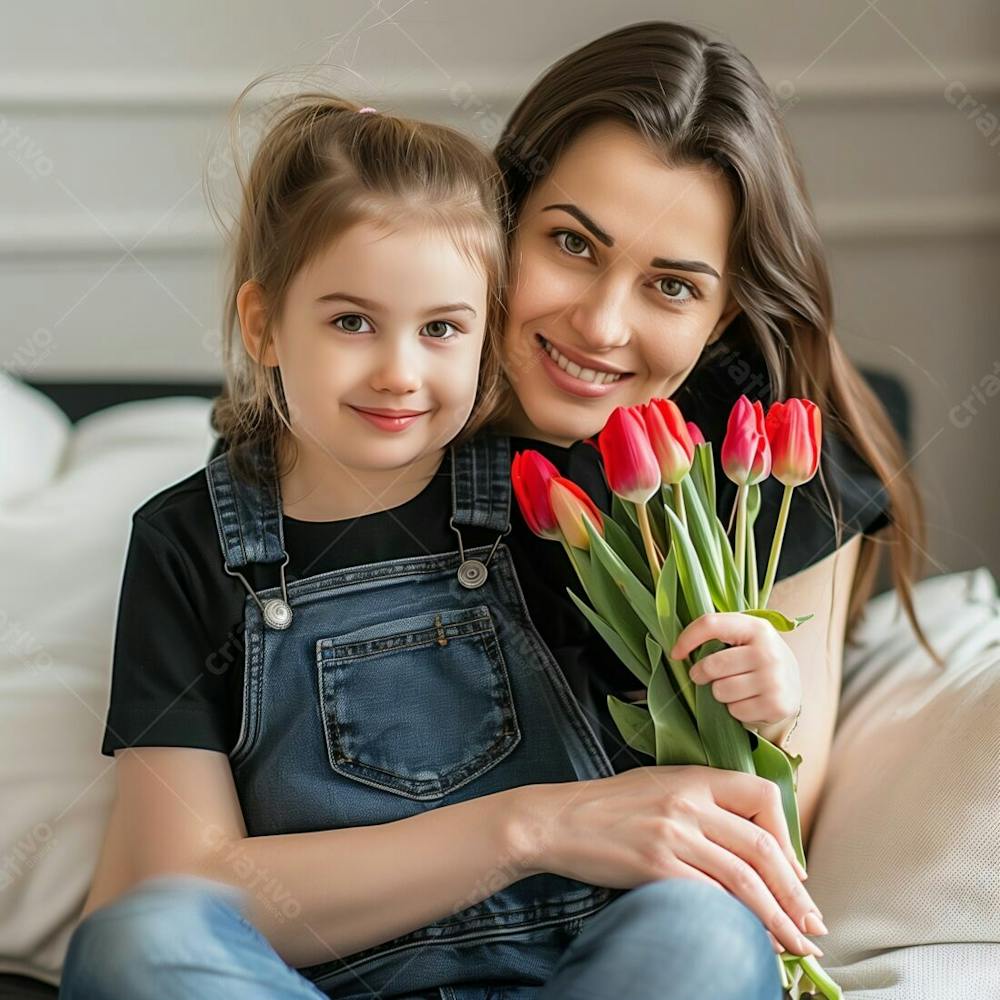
(178, 937)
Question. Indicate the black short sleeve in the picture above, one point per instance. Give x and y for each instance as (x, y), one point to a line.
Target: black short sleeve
(163, 692)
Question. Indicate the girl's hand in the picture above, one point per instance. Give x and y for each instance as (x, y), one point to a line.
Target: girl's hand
(757, 678)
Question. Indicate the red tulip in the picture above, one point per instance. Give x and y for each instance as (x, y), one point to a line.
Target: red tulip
(694, 431)
(572, 506)
(668, 434)
(530, 475)
(629, 461)
(746, 454)
(794, 432)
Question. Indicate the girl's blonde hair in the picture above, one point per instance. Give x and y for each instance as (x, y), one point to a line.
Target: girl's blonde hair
(320, 168)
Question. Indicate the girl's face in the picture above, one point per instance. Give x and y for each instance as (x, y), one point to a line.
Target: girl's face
(379, 345)
(618, 283)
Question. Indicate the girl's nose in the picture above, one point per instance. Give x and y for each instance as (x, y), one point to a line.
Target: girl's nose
(396, 373)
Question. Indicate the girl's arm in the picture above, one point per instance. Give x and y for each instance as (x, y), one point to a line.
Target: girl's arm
(318, 895)
(824, 590)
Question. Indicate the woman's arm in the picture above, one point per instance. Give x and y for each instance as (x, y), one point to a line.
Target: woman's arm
(824, 590)
(318, 895)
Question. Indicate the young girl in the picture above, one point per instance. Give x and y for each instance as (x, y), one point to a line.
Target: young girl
(361, 763)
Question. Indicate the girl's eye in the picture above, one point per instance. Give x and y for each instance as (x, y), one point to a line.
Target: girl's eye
(439, 329)
(348, 323)
(573, 243)
(673, 289)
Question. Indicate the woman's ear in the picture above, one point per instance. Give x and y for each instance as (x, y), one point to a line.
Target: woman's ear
(730, 313)
(252, 309)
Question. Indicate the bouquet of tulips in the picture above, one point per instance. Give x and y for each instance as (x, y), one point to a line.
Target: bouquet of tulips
(662, 558)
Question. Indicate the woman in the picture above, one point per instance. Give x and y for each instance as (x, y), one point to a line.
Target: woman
(658, 226)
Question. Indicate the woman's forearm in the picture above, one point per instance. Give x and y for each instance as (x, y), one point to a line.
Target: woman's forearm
(322, 895)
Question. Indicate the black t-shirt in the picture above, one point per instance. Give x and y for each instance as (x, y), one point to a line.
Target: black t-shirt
(179, 651)
(179, 648)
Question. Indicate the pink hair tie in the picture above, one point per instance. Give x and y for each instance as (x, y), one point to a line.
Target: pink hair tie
(366, 111)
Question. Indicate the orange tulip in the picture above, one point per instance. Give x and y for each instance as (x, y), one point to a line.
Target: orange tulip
(572, 507)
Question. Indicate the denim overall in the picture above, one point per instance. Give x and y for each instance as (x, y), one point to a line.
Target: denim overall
(376, 692)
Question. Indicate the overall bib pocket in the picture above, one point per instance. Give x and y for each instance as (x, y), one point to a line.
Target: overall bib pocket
(417, 706)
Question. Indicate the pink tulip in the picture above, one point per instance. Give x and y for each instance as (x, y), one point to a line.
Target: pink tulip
(572, 507)
(668, 434)
(629, 461)
(746, 454)
(694, 432)
(794, 432)
(530, 475)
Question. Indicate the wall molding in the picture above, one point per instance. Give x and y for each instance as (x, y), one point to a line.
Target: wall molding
(192, 233)
(185, 93)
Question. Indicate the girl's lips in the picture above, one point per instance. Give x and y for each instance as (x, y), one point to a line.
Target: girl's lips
(386, 422)
(570, 383)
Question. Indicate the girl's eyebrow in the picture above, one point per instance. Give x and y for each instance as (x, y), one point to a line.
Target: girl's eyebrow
(588, 223)
(375, 306)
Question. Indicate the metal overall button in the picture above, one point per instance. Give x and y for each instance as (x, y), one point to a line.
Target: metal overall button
(472, 573)
(276, 611)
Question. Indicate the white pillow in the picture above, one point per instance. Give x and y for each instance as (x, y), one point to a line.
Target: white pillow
(904, 860)
(33, 439)
(63, 549)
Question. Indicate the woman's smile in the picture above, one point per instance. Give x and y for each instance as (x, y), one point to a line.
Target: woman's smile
(577, 374)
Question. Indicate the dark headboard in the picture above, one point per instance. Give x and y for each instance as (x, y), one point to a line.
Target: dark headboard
(78, 399)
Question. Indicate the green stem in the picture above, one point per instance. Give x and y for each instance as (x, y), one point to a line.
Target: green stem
(741, 533)
(647, 540)
(679, 503)
(779, 534)
(751, 593)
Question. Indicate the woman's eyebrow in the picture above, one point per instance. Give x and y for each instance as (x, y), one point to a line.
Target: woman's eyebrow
(588, 223)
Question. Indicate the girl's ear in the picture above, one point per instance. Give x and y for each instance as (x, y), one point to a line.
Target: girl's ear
(730, 313)
(252, 309)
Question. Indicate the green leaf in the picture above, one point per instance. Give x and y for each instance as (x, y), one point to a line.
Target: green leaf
(635, 724)
(734, 595)
(777, 619)
(666, 601)
(677, 739)
(726, 740)
(621, 541)
(618, 645)
(773, 763)
(611, 604)
(625, 517)
(638, 596)
(706, 544)
(703, 476)
(689, 570)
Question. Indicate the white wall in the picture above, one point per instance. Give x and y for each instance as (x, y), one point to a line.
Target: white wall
(109, 111)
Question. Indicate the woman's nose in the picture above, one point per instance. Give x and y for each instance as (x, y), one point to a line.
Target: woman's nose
(599, 317)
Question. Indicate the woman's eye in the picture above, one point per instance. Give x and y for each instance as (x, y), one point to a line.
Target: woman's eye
(349, 323)
(572, 243)
(675, 289)
(439, 329)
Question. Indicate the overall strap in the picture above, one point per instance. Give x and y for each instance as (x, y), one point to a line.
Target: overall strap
(247, 516)
(480, 482)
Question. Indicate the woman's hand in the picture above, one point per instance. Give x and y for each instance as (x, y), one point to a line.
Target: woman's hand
(757, 678)
(658, 822)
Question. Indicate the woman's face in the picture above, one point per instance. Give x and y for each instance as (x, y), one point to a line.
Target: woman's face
(619, 280)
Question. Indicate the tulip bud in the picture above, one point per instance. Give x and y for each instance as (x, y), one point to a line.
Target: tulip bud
(571, 507)
(530, 474)
(629, 461)
(694, 432)
(794, 432)
(746, 454)
(670, 439)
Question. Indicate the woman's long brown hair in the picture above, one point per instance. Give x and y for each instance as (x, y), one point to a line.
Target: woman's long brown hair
(702, 102)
